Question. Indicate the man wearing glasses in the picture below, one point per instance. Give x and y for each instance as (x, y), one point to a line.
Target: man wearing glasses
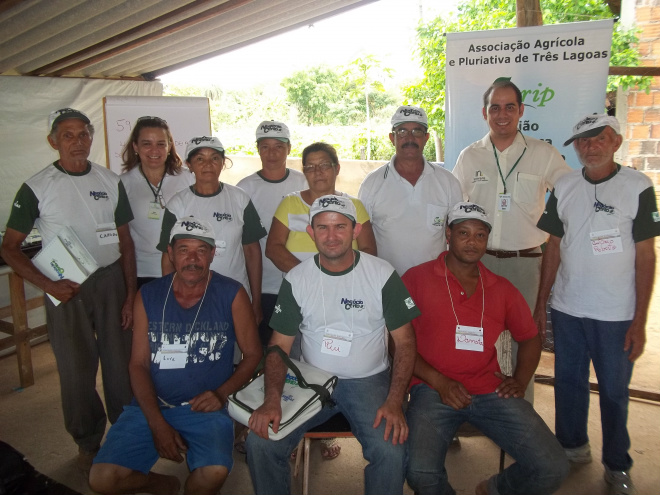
(408, 198)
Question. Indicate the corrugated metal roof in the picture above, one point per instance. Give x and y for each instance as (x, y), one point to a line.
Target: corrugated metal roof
(140, 38)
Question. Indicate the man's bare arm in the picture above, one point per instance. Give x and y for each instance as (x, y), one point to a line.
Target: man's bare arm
(549, 267)
(404, 361)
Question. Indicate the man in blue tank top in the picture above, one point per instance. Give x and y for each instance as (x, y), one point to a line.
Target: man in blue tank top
(182, 371)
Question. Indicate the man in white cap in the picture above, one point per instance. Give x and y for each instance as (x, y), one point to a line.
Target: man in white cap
(358, 301)
(94, 318)
(266, 189)
(457, 378)
(602, 222)
(182, 371)
(509, 174)
(408, 198)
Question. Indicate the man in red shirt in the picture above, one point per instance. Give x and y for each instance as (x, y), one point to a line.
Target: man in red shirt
(457, 378)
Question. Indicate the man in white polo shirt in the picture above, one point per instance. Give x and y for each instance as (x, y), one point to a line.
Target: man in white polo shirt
(408, 198)
(358, 300)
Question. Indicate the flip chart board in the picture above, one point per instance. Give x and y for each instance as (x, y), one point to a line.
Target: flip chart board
(187, 117)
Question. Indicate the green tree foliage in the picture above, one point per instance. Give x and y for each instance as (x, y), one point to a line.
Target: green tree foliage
(366, 74)
(476, 15)
(246, 107)
(313, 92)
(324, 95)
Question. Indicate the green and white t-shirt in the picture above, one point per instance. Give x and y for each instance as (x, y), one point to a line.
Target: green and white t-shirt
(146, 226)
(364, 301)
(617, 211)
(53, 199)
(234, 219)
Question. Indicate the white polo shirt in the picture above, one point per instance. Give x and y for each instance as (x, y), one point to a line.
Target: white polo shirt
(537, 171)
(409, 221)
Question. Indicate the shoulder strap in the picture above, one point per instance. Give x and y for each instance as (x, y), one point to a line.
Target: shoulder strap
(321, 390)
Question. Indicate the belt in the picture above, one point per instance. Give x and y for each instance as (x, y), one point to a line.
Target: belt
(523, 253)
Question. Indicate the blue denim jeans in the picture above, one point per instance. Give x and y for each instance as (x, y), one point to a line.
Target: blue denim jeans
(358, 399)
(578, 341)
(512, 424)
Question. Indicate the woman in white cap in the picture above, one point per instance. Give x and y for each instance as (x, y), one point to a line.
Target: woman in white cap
(228, 208)
(152, 175)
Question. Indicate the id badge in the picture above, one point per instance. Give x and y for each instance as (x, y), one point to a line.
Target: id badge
(606, 242)
(469, 338)
(173, 356)
(154, 211)
(220, 247)
(106, 233)
(336, 342)
(503, 202)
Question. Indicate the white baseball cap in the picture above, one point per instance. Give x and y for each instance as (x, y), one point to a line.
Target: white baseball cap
(193, 228)
(337, 204)
(467, 211)
(408, 113)
(273, 129)
(592, 125)
(203, 142)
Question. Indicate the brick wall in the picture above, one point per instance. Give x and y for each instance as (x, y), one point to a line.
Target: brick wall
(642, 130)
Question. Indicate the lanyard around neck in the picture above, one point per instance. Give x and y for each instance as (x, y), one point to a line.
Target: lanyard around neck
(499, 169)
(451, 299)
(155, 192)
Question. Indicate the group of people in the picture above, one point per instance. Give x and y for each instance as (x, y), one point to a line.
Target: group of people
(413, 282)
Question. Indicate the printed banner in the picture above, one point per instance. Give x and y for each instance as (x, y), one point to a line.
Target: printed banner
(561, 70)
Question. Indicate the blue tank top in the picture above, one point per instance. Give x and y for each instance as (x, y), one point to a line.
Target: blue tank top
(210, 344)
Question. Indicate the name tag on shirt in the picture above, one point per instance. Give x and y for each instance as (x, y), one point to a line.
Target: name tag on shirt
(173, 356)
(469, 338)
(106, 233)
(336, 342)
(503, 202)
(220, 247)
(153, 212)
(606, 242)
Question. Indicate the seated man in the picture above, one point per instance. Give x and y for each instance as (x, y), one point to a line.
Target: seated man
(457, 378)
(181, 394)
(355, 298)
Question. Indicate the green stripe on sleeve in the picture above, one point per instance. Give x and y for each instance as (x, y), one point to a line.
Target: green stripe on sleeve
(169, 219)
(398, 307)
(646, 223)
(123, 212)
(549, 221)
(253, 230)
(287, 315)
(24, 210)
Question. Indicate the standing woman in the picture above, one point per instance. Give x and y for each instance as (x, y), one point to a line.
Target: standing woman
(288, 241)
(152, 175)
(228, 208)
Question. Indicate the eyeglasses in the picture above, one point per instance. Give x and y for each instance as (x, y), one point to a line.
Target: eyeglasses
(404, 132)
(149, 117)
(320, 167)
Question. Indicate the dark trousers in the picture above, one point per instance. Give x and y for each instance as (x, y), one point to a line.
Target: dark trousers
(82, 331)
